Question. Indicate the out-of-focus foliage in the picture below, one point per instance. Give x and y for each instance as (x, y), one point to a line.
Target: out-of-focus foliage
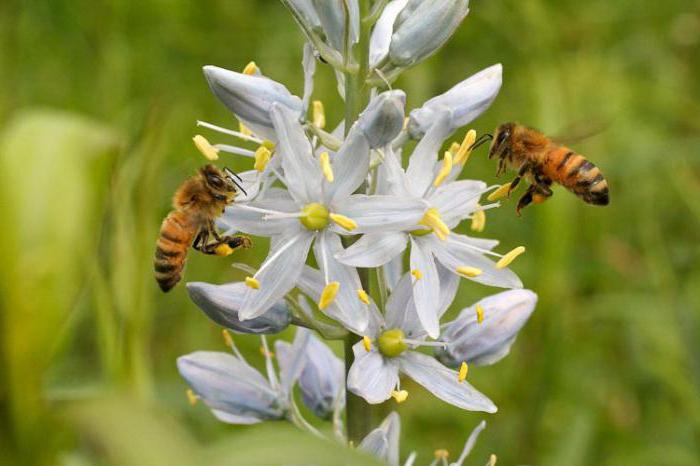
(97, 107)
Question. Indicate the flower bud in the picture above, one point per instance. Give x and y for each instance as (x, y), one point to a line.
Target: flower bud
(382, 120)
(221, 304)
(334, 18)
(234, 391)
(249, 97)
(488, 341)
(466, 101)
(383, 30)
(383, 442)
(423, 27)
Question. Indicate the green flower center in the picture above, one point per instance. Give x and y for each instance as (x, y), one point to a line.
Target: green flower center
(314, 216)
(391, 343)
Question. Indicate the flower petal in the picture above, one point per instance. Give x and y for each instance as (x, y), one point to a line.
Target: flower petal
(382, 213)
(372, 376)
(309, 65)
(352, 161)
(456, 200)
(291, 367)
(383, 29)
(243, 217)
(279, 272)
(391, 178)
(426, 290)
(421, 165)
(373, 250)
(383, 442)
(444, 383)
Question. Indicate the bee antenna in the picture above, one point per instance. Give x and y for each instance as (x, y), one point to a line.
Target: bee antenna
(233, 176)
(481, 140)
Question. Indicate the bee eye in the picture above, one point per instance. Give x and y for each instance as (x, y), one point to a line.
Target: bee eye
(215, 181)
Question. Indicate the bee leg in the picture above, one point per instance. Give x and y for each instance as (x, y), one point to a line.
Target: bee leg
(501, 167)
(526, 199)
(213, 231)
(226, 245)
(238, 241)
(523, 170)
(201, 239)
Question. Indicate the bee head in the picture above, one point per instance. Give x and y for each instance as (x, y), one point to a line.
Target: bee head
(501, 139)
(222, 184)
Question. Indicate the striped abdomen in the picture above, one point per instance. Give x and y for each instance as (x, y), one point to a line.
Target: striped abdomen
(176, 235)
(578, 175)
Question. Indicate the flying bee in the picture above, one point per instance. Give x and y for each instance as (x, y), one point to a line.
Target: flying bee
(198, 201)
(543, 162)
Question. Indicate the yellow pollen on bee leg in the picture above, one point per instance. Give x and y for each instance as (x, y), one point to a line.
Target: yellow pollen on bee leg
(464, 151)
(367, 343)
(400, 395)
(250, 69)
(362, 294)
(328, 295)
(318, 114)
(469, 272)
(203, 146)
(417, 273)
(262, 157)
(223, 250)
(228, 339)
(325, 161)
(509, 257)
(441, 454)
(500, 193)
(192, 397)
(463, 371)
(345, 222)
(252, 282)
(479, 313)
(478, 220)
(445, 169)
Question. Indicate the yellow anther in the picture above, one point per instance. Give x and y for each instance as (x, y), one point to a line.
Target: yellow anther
(328, 295)
(250, 69)
(223, 250)
(400, 395)
(262, 157)
(454, 148)
(445, 169)
(252, 282)
(492, 460)
(463, 371)
(203, 146)
(266, 353)
(417, 273)
(479, 313)
(244, 129)
(405, 123)
(325, 161)
(509, 257)
(367, 343)
(441, 454)
(500, 193)
(478, 220)
(465, 148)
(228, 339)
(319, 114)
(362, 294)
(469, 272)
(269, 144)
(432, 220)
(192, 397)
(345, 222)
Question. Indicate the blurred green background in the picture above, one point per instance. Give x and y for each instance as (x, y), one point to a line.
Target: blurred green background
(98, 102)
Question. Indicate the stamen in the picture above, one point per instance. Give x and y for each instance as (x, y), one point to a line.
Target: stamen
(367, 343)
(207, 150)
(228, 339)
(400, 395)
(500, 193)
(244, 129)
(269, 144)
(318, 114)
(223, 250)
(266, 352)
(230, 132)
(345, 222)
(192, 397)
(252, 282)
(326, 168)
(465, 148)
(250, 69)
(454, 148)
(469, 272)
(509, 257)
(432, 219)
(262, 157)
(328, 295)
(417, 343)
(362, 294)
(441, 454)
(417, 273)
(234, 150)
(463, 370)
(492, 460)
(405, 123)
(445, 169)
(478, 220)
(479, 313)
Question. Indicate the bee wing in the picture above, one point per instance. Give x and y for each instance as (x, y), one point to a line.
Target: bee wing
(580, 131)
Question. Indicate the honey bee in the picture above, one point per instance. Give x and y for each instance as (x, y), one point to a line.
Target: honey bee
(543, 162)
(198, 201)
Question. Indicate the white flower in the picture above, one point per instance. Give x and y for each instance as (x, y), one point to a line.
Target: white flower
(484, 332)
(388, 348)
(236, 392)
(221, 304)
(312, 209)
(433, 245)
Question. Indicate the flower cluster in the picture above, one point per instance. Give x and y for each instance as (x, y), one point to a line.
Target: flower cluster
(354, 199)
